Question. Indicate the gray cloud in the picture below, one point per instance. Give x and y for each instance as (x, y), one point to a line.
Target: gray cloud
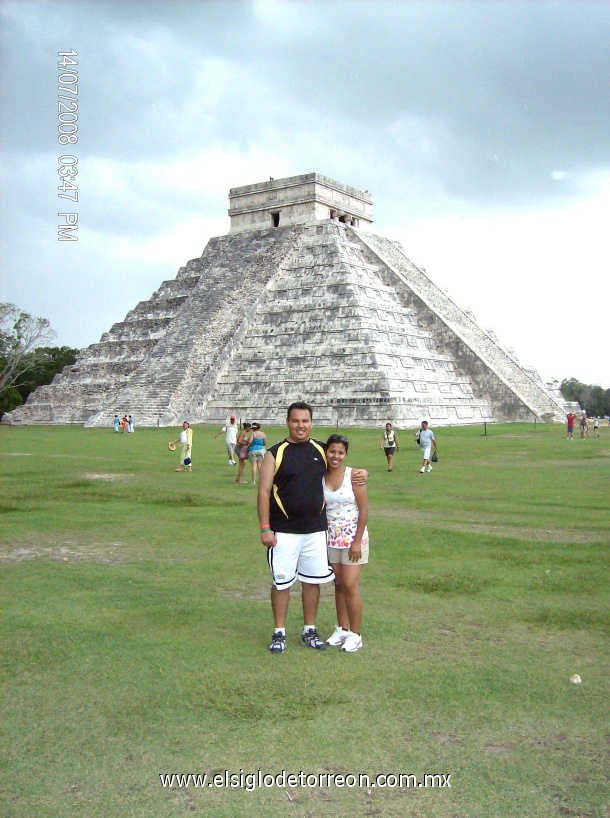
(506, 92)
(433, 106)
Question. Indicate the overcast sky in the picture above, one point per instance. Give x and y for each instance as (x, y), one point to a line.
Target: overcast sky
(481, 128)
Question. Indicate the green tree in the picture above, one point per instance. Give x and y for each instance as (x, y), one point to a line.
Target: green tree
(21, 335)
(47, 363)
(593, 398)
(9, 399)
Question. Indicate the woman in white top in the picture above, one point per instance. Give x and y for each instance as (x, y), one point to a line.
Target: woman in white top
(389, 443)
(186, 441)
(348, 542)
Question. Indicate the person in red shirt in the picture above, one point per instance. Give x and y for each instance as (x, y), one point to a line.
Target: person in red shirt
(571, 419)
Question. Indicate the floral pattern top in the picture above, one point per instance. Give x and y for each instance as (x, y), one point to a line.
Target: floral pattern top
(342, 513)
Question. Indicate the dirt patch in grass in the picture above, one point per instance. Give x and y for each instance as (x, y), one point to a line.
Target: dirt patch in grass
(110, 477)
(114, 553)
(497, 748)
(448, 739)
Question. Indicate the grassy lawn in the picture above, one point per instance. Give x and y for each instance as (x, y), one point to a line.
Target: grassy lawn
(136, 623)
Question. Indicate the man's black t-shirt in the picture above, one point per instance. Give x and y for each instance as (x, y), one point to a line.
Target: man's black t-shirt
(296, 505)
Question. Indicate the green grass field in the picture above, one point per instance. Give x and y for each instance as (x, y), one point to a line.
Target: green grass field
(136, 625)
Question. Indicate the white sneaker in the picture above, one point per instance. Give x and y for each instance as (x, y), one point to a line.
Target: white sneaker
(338, 638)
(429, 468)
(353, 642)
(422, 470)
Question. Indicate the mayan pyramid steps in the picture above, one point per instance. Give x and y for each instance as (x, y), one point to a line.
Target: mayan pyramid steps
(298, 301)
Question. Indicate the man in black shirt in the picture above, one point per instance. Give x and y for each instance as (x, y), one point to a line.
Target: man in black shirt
(293, 523)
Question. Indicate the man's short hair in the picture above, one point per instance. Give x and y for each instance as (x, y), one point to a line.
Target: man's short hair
(300, 404)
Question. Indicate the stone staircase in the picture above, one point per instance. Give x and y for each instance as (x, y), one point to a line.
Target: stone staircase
(103, 369)
(330, 331)
(170, 383)
(532, 394)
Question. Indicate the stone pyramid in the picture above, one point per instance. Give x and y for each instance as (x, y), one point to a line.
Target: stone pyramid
(299, 301)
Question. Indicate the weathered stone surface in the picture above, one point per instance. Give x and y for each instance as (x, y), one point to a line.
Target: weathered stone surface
(297, 200)
(314, 309)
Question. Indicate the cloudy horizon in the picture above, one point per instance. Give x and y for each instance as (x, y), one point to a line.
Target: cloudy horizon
(481, 129)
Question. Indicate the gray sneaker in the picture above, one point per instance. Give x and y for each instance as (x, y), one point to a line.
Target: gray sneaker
(278, 643)
(311, 640)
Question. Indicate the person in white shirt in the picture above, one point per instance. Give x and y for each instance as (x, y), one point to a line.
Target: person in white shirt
(348, 542)
(389, 443)
(230, 430)
(186, 441)
(425, 438)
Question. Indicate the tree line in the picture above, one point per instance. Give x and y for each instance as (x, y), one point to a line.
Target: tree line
(592, 398)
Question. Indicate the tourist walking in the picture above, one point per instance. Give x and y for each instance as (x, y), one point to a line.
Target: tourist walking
(231, 430)
(425, 438)
(186, 452)
(241, 450)
(584, 426)
(348, 542)
(130, 424)
(596, 427)
(571, 418)
(293, 523)
(116, 423)
(389, 443)
(256, 449)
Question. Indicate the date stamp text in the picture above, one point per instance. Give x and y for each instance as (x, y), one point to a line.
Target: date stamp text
(67, 115)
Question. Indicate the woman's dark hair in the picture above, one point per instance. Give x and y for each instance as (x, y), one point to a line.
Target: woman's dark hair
(338, 439)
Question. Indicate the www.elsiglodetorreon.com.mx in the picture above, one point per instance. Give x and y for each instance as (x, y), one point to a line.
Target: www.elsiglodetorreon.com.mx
(259, 780)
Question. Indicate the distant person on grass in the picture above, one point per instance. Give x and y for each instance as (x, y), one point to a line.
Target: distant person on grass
(231, 429)
(571, 418)
(584, 426)
(596, 427)
(389, 443)
(293, 523)
(241, 450)
(116, 423)
(256, 442)
(348, 542)
(425, 438)
(186, 452)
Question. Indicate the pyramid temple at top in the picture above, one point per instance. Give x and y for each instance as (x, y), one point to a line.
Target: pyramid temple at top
(299, 301)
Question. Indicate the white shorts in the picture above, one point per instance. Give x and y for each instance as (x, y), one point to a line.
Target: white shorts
(299, 556)
(425, 452)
